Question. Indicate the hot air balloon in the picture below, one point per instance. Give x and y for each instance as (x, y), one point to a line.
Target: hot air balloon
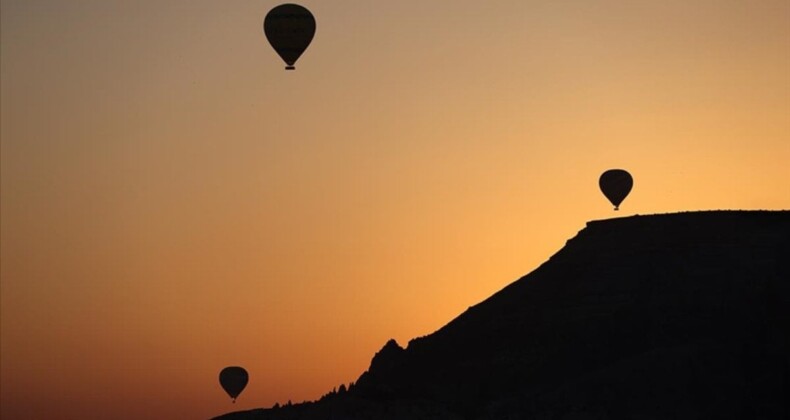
(289, 28)
(615, 185)
(233, 380)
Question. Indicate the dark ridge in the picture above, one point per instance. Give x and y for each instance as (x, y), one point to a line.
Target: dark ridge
(680, 315)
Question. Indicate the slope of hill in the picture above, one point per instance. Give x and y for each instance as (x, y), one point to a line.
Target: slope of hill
(681, 315)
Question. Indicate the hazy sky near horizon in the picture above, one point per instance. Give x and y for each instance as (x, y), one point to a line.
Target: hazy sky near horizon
(174, 201)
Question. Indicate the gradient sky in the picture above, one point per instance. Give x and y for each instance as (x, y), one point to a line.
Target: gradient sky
(174, 202)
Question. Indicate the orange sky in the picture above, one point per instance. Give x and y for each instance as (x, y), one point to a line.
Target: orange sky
(173, 201)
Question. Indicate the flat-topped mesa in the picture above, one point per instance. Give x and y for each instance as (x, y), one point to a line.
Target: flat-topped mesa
(670, 316)
(620, 289)
(716, 228)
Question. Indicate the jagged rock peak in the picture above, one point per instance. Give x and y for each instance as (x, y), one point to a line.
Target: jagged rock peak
(388, 357)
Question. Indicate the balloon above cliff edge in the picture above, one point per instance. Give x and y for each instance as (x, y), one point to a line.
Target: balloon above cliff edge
(233, 380)
(290, 29)
(615, 185)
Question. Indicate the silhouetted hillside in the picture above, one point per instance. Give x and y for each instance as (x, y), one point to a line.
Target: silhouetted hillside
(668, 316)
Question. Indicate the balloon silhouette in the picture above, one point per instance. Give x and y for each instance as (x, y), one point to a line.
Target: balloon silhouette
(615, 185)
(289, 28)
(233, 380)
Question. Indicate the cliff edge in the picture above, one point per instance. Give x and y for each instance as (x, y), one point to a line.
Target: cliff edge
(680, 315)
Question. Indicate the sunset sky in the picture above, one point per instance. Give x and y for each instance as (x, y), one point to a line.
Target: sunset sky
(174, 201)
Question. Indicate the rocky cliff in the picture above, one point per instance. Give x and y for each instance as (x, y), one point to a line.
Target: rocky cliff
(666, 316)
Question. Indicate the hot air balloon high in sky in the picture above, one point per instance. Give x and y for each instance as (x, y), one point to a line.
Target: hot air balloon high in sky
(615, 185)
(233, 379)
(290, 29)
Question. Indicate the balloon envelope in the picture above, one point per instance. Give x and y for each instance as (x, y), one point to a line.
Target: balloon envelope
(233, 380)
(290, 29)
(615, 185)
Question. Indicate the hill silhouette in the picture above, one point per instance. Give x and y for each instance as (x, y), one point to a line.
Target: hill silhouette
(682, 315)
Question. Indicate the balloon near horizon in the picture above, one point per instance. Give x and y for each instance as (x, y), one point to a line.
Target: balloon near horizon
(290, 29)
(233, 380)
(615, 185)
